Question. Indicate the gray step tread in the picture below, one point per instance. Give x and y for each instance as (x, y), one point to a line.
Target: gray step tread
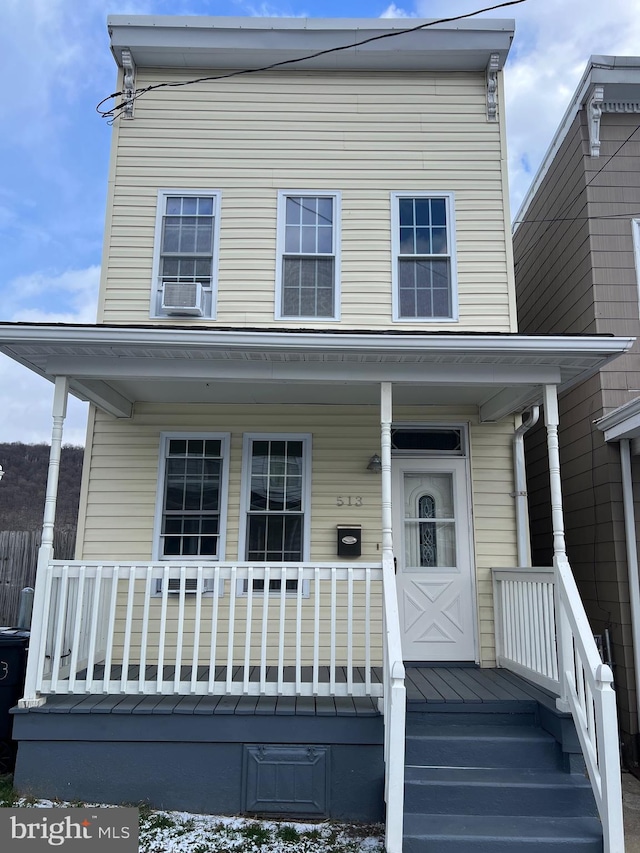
(504, 777)
(517, 829)
(449, 731)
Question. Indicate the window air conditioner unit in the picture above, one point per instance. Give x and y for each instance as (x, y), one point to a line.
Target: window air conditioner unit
(183, 300)
(190, 586)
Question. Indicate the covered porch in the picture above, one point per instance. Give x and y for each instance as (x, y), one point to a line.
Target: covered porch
(189, 632)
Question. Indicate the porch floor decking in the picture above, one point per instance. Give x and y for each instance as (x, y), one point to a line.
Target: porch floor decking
(437, 687)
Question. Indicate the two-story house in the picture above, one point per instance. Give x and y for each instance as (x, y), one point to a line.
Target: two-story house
(577, 262)
(302, 511)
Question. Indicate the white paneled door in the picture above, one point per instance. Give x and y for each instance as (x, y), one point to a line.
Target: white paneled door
(433, 549)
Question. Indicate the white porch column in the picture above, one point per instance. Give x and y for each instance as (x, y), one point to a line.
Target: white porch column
(45, 554)
(394, 699)
(565, 650)
(386, 417)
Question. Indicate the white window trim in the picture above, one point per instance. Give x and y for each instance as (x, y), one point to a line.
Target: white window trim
(165, 437)
(280, 243)
(635, 230)
(449, 198)
(248, 440)
(211, 292)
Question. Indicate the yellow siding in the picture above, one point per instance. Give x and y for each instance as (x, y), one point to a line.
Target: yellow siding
(363, 135)
(121, 489)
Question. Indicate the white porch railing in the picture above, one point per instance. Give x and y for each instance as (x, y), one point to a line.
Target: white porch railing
(525, 624)
(209, 629)
(542, 633)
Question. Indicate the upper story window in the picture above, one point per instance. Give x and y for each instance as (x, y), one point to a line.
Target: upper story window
(185, 253)
(191, 497)
(308, 255)
(424, 263)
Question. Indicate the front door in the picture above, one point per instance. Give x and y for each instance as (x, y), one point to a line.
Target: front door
(433, 550)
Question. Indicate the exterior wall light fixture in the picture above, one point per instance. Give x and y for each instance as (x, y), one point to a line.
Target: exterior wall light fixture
(375, 464)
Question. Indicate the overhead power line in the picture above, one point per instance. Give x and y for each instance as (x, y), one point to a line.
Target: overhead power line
(115, 111)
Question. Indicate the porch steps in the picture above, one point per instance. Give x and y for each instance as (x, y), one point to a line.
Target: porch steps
(483, 782)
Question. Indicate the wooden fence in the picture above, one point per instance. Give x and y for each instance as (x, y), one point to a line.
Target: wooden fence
(18, 558)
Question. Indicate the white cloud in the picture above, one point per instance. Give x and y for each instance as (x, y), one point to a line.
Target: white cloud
(268, 10)
(552, 46)
(69, 297)
(393, 11)
(553, 42)
(26, 401)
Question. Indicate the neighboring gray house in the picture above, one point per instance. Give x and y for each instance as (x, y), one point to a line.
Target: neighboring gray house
(577, 262)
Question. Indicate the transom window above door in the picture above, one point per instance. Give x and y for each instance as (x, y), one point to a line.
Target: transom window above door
(308, 255)
(424, 263)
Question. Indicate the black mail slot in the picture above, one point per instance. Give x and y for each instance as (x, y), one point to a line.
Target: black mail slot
(349, 540)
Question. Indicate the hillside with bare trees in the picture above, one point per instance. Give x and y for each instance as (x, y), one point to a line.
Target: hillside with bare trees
(23, 486)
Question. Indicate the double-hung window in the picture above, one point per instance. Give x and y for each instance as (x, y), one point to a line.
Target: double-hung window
(276, 504)
(185, 256)
(308, 255)
(191, 497)
(424, 264)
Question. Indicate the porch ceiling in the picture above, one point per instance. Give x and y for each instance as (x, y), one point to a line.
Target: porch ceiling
(116, 366)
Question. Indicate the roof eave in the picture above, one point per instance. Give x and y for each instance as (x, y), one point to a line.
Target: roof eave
(249, 43)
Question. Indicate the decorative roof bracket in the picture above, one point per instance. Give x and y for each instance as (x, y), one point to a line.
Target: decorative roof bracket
(129, 70)
(492, 87)
(594, 114)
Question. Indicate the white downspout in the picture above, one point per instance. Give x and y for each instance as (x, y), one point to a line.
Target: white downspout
(632, 559)
(520, 475)
(31, 696)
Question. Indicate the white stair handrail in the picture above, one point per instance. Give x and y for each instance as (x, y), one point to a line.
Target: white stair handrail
(394, 710)
(586, 686)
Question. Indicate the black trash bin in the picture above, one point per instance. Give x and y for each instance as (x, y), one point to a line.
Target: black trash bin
(14, 643)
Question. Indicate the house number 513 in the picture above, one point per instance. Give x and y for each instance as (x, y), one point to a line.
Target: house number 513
(349, 500)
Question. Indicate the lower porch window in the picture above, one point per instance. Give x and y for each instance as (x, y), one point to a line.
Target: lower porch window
(276, 501)
(191, 523)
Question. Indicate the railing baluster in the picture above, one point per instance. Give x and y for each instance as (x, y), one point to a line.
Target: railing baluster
(332, 653)
(316, 630)
(367, 631)
(59, 631)
(350, 630)
(126, 651)
(231, 628)
(111, 628)
(299, 631)
(93, 629)
(213, 646)
(247, 630)
(180, 634)
(144, 637)
(163, 630)
(197, 622)
(44, 630)
(265, 630)
(75, 645)
(281, 629)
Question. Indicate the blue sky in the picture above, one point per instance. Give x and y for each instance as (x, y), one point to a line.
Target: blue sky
(54, 148)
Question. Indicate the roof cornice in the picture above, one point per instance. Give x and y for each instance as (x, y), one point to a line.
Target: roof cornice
(604, 78)
(192, 42)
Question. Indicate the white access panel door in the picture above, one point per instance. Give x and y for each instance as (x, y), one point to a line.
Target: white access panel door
(434, 556)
